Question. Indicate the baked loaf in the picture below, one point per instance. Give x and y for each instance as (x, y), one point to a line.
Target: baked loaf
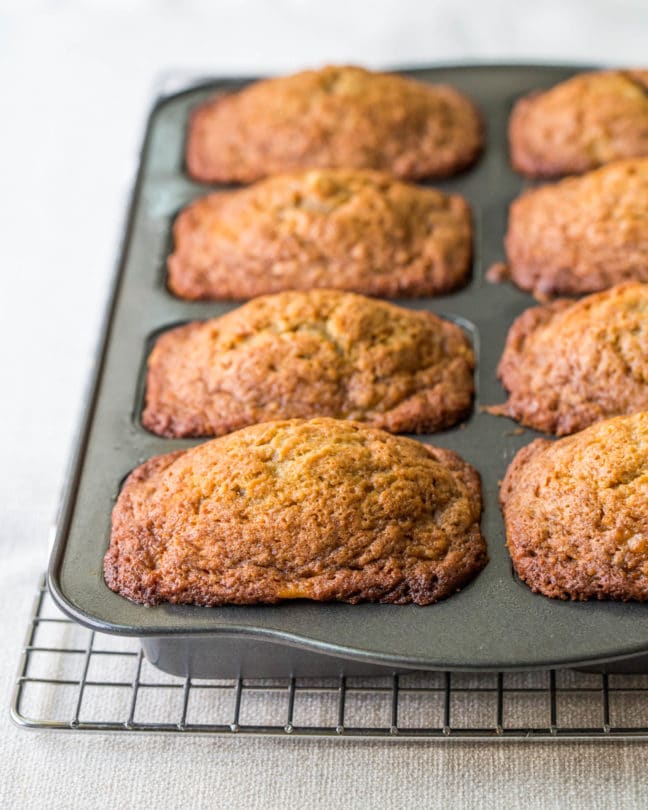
(575, 512)
(320, 509)
(302, 354)
(580, 124)
(567, 365)
(352, 230)
(334, 117)
(582, 234)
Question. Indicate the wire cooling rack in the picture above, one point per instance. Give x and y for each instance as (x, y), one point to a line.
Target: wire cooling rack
(71, 678)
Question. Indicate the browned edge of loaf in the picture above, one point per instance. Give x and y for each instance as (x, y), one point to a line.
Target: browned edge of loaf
(566, 573)
(587, 373)
(522, 327)
(203, 168)
(555, 165)
(438, 257)
(442, 584)
(580, 235)
(428, 407)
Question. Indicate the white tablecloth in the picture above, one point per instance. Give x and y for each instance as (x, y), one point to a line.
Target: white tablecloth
(75, 81)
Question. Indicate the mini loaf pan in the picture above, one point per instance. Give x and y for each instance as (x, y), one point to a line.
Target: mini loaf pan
(495, 623)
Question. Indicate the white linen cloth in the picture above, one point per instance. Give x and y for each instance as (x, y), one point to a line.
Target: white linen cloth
(76, 81)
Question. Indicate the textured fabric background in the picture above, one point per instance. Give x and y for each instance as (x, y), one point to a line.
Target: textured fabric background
(75, 81)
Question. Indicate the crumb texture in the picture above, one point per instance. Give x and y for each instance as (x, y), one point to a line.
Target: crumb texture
(352, 230)
(331, 118)
(569, 364)
(298, 354)
(578, 125)
(320, 509)
(583, 234)
(575, 512)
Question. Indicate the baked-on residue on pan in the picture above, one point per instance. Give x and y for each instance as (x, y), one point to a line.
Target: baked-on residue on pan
(568, 364)
(304, 354)
(575, 512)
(580, 124)
(321, 509)
(335, 117)
(352, 230)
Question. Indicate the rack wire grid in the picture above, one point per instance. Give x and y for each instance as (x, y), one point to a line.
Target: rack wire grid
(71, 678)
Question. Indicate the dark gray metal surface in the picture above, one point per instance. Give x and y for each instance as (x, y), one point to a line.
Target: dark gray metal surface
(73, 679)
(494, 623)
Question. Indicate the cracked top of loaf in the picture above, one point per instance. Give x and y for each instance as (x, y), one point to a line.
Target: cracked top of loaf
(304, 509)
(304, 354)
(352, 230)
(334, 117)
(582, 234)
(581, 123)
(568, 364)
(575, 512)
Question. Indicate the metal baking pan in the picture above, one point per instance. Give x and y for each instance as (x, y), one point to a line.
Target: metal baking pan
(495, 623)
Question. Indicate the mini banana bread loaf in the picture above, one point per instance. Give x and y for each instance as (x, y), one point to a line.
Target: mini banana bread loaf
(352, 230)
(580, 124)
(302, 354)
(575, 512)
(320, 509)
(582, 234)
(332, 118)
(568, 364)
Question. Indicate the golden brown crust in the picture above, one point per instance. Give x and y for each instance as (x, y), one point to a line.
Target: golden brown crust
(575, 512)
(580, 124)
(351, 230)
(569, 364)
(321, 353)
(582, 234)
(336, 117)
(320, 509)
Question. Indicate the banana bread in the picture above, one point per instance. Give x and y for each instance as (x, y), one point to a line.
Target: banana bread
(582, 234)
(352, 230)
(303, 354)
(580, 124)
(335, 117)
(568, 364)
(321, 509)
(575, 512)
